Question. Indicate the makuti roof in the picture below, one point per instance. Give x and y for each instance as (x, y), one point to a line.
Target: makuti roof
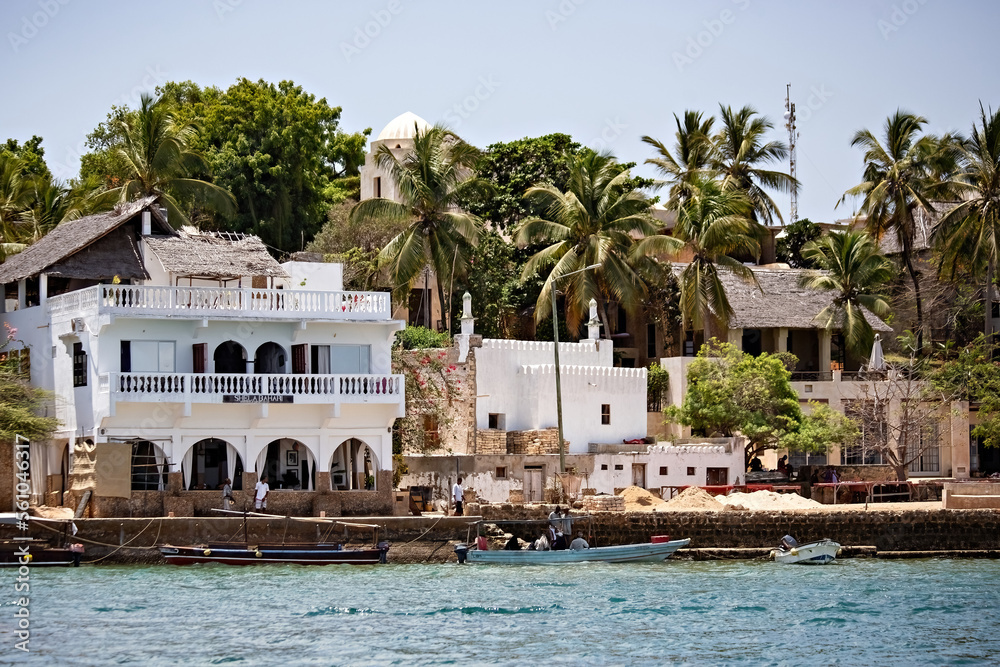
(214, 256)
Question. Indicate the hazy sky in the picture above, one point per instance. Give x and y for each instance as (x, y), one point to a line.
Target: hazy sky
(604, 72)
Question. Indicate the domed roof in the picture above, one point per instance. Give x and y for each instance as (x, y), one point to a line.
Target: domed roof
(402, 127)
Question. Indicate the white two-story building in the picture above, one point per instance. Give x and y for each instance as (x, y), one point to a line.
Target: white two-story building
(178, 359)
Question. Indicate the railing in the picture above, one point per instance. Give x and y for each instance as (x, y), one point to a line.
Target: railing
(224, 302)
(213, 387)
(812, 376)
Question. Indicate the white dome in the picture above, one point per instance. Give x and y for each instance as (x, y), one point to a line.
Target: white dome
(403, 127)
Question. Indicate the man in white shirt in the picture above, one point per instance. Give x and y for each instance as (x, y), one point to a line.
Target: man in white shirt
(261, 496)
(458, 496)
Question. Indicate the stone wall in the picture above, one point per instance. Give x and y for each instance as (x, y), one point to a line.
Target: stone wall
(592, 503)
(491, 442)
(534, 442)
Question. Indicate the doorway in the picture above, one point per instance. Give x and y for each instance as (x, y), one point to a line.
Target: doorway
(639, 475)
(533, 484)
(717, 476)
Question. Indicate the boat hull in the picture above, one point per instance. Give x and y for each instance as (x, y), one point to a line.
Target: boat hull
(49, 557)
(264, 554)
(815, 553)
(628, 553)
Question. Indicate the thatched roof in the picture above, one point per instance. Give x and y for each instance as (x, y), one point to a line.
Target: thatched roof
(106, 255)
(193, 254)
(779, 303)
(924, 224)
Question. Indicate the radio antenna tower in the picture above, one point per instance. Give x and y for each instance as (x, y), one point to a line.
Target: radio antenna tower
(792, 134)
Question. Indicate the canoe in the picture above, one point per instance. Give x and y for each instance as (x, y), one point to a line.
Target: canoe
(628, 553)
(296, 554)
(814, 553)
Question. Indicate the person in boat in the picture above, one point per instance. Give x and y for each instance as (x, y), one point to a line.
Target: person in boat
(756, 465)
(262, 491)
(579, 543)
(788, 543)
(783, 465)
(560, 542)
(542, 543)
(554, 517)
(227, 494)
(458, 496)
(512, 544)
(482, 544)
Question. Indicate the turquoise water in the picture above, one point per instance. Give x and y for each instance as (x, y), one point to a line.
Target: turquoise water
(854, 612)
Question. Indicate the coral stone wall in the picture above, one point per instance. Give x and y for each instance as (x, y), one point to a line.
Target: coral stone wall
(540, 441)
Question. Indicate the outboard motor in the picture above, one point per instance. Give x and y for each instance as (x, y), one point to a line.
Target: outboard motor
(461, 551)
(788, 543)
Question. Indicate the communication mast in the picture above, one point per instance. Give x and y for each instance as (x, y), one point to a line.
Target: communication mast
(792, 135)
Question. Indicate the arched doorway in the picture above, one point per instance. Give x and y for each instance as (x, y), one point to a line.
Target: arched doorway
(230, 357)
(289, 464)
(270, 358)
(149, 467)
(353, 467)
(208, 463)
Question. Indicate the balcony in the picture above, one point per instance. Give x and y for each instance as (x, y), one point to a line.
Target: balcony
(220, 303)
(199, 388)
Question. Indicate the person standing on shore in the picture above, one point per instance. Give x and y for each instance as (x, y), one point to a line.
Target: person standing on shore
(227, 494)
(458, 496)
(260, 498)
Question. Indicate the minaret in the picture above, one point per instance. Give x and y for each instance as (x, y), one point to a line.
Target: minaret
(594, 324)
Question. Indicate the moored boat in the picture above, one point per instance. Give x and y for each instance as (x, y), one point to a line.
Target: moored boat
(650, 552)
(54, 552)
(815, 553)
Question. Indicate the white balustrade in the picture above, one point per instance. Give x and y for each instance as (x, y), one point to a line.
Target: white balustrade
(212, 387)
(224, 302)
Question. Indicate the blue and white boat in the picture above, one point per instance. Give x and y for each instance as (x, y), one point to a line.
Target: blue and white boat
(814, 553)
(650, 552)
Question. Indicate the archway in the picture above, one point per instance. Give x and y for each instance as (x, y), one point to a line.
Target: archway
(270, 358)
(230, 357)
(289, 464)
(149, 467)
(208, 463)
(353, 466)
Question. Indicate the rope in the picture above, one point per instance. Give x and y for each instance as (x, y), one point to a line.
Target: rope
(117, 547)
(423, 533)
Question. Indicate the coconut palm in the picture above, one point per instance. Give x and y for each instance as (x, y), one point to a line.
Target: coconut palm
(430, 180)
(595, 221)
(692, 152)
(158, 159)
(712, 225)
(853, 271)
(740, 155)
(970, 231)
(897, 179)
(16, 195)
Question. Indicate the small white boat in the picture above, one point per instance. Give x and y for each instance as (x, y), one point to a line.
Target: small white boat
(814, 553)
(650, 552)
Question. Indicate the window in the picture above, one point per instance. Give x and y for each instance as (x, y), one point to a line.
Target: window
(299, 353)
(498, 421)
(79, 366)
(690, 471)
(651, 341)
(377, 186)
(147, 356)
(606, 413)
(432, 437)
(20, 361)
(663, 470)
(604, 466)
(501, 472)
(926, 441)
(619, 466)
(871, 422)
(349, 358)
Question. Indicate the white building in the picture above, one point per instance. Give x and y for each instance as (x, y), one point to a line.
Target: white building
(179, 359)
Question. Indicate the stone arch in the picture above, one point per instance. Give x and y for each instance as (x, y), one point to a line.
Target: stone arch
(230, 357)
(354, 466)
(270, 358)
(289, 464)
(207, 463)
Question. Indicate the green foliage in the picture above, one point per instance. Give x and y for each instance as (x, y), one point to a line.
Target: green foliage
(493, 285)
(657, 384)
(789, 247)
(974, 374)
(21, 405)
(820, 428)
(420, 338)
(430, 388)
(31, 154)
(399, 467)
(356, 245)
(732, 392)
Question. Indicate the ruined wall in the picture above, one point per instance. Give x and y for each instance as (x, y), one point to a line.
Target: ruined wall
(454, 397)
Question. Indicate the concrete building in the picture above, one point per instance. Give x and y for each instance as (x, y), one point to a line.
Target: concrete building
(177, 359)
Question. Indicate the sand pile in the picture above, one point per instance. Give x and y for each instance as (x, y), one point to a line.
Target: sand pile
(766, 500)
(46, 512)
(692, 498)
(640, 500)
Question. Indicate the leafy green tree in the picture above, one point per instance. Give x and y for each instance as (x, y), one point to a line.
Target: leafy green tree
(430, 180)
(16, 195)
(796, 235)
(740, 155)
(713, 224)
(855, 273)
(973, 374)
(356, 245)
(731, 392)
(690, 160)
(897, 179)
(21, 405)
(592, 222)
(820, 428)
(159, 160)
(969, 233)
(492, 282)
(31, 154)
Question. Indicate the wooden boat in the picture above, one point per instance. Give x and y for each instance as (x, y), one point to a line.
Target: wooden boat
(245, 553)
(34, 552)
(814, 553)
(650, 552)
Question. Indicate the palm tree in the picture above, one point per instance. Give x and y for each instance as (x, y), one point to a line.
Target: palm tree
(16, 196)
(159, 161)
(692, 152)
(970, 231)
(712, 225)
(854, 271)
(897, 178)
(739, 156)
(593, 222)
(430, 180)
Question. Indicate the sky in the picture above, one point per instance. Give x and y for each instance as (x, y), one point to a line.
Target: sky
(606, 73)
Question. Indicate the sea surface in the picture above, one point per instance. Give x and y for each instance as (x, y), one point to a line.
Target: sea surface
(852, 612)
